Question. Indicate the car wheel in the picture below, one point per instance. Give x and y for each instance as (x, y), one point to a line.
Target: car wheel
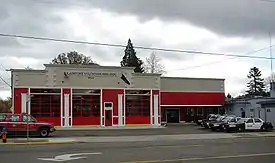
(44, 132)
(240, 129)
(263, 128)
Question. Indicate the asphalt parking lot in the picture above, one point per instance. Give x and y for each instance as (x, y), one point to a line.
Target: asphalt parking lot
(171, 129)
(243, 150)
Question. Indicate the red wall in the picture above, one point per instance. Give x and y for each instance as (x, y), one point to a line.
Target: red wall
(138, 120)
(86, 120)
(53, 120)
(111, 95)
(17, 98)
(192, 98)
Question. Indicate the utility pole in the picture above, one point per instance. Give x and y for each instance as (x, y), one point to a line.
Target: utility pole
(271, 60)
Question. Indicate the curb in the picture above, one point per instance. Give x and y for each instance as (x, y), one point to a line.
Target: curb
(39, 143)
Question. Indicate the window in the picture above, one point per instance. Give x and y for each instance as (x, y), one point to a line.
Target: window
(86, 105)
(2, 117)
(257, 120)
(108, 104)
(14, 118)
(137, 105)
(249, 121)
(267, 110)
(137, 92)
(200, 111)
(45, 105)
(86, 91)
(42, 91)
(27, 118)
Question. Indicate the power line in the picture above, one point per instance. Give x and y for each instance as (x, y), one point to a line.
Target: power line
(123, 46)
(5, 81)
(272, 1)
(216, 62)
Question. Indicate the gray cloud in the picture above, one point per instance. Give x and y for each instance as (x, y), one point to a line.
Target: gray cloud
(227, 17)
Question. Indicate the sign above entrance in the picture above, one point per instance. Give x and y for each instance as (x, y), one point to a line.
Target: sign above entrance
(89, 74)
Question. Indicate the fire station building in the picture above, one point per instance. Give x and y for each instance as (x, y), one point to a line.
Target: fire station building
(94, 95)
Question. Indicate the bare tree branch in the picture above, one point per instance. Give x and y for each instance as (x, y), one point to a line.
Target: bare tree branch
(153, 64)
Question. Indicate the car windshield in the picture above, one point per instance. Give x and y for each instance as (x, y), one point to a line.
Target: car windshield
(233, 120)
(213, 117)
(227, 119)
(241, 121)
(220, 118)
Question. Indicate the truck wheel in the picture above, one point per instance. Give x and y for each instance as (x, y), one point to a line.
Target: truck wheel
(44, 132)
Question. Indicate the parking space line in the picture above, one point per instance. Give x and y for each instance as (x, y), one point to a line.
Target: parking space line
(204, 158)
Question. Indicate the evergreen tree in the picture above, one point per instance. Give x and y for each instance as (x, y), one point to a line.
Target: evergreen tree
(130, 59)
(228, 96)
(255, 85)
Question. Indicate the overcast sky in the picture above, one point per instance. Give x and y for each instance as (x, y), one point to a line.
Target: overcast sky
(223, 26)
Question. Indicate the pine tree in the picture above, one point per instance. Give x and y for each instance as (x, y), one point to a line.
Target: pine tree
(228, 96)
(255, 85)
(130, 59)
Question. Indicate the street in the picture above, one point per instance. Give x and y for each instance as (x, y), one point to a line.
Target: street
(238, 150)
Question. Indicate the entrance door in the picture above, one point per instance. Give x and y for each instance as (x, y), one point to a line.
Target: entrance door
(108, 118)
(108, 107)
(172, 115)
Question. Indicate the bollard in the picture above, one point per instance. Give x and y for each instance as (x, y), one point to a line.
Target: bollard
(4, 135)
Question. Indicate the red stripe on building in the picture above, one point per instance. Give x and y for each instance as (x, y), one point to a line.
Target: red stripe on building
(192, 98)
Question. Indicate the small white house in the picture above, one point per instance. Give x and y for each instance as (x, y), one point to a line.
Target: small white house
(261, 107)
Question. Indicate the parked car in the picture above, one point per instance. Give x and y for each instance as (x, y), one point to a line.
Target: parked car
(19, 124)
(255, 124)
(219, 125)
(211, 118)
(233, 125)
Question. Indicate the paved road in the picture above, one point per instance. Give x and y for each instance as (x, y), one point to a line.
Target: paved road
(241, 150)
(172, 129)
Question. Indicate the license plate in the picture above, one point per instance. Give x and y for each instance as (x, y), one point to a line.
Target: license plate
(232, 125)
(216, 125)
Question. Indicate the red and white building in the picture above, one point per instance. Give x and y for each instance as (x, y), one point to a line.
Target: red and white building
(72, 95)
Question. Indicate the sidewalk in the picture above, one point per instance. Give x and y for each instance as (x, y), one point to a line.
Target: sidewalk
(39, 141)
(110, 139)
(108, 128)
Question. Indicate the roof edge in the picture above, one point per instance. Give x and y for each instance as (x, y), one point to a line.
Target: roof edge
(26, 70)
(168, 77)
(87, 66)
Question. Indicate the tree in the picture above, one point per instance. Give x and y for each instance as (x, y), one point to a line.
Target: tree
(72, 57)
(268, 80)
(28, 68)
(228, 96)
(255, 85)
(5, 105)
(153, 64)
(130, 59)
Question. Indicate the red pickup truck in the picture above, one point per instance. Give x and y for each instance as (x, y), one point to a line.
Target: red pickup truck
(21, 123)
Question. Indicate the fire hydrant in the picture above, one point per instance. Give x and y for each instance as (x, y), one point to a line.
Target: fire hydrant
(4, 135)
